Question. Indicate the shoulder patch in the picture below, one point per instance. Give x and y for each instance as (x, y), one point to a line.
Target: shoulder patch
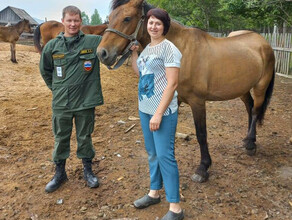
(86, 51)
(58, 56)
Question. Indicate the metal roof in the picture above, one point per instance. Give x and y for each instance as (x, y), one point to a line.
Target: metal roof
(22, 14)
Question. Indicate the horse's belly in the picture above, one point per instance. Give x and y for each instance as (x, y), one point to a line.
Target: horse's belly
(232, 86)
(225, 95)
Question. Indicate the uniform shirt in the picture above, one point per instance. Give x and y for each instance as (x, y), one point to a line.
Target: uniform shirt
(152, 82)
(70, 68)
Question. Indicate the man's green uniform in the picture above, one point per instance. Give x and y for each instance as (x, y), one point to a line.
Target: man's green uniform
(71, 70)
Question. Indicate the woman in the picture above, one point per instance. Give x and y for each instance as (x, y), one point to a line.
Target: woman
(158, 68)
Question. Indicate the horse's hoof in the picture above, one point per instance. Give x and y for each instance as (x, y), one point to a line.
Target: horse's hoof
(251, 152)
(251, 148)
(13, 61)
(198, 178)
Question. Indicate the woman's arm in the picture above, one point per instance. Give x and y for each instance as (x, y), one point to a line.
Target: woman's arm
(172, 82)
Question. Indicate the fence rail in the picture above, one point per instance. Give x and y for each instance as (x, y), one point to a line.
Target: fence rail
(282, 46)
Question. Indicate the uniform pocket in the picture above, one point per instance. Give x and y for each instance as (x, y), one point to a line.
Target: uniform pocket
(60, 69)
(87, 62)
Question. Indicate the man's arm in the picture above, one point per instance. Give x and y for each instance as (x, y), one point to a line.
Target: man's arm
(47, 66)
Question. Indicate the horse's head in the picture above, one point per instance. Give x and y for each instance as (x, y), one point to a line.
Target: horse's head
(26, 26)
(125, 25)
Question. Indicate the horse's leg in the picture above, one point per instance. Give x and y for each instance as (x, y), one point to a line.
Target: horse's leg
(248, 101)
(199, 114)
(249, 141)
(12, 49)
(262, 94)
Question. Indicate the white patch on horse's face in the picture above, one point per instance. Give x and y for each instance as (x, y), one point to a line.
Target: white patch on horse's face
(72, 24)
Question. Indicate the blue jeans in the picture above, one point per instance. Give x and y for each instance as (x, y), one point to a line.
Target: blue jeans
(160, 148)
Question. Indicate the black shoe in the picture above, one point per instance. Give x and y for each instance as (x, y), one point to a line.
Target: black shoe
(92, 180)
(146, 201)
(59, 178)
(173, 216)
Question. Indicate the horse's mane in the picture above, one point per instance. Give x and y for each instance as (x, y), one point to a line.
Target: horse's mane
(117, 3)
(22, 20)
(147, 7)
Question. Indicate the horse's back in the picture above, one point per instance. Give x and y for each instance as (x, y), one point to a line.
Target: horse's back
(225, 68)
(253, 41)
(50, 30)
(240, 32)
(52, 27)
(86, 29)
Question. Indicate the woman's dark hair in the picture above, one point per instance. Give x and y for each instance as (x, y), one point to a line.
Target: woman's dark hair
(162, 15)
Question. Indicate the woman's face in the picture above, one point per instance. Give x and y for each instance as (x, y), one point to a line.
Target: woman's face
(155, 27)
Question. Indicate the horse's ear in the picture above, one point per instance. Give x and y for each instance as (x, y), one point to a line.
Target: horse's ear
(138, 3)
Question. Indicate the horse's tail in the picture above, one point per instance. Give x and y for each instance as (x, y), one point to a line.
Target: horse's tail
(37, 39)
(268, 96)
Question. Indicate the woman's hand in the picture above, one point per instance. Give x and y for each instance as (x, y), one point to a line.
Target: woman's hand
(134, 48)
(155, 121)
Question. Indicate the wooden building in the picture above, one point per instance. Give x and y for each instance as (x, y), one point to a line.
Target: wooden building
(11, 15)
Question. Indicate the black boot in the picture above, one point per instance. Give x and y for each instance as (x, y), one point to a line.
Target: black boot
(59, 177)
(92, 180)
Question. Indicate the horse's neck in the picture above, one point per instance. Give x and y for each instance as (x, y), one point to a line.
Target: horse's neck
(178, 34)
(19, 27)
(174, 28)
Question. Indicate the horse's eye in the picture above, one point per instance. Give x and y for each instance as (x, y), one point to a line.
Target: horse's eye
(127, 19)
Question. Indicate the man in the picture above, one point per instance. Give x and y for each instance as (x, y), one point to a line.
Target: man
(70, 68)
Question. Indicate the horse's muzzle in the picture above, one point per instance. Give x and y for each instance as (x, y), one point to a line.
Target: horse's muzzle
(105, 57)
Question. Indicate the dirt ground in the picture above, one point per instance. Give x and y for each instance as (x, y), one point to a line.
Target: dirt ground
(239, 187)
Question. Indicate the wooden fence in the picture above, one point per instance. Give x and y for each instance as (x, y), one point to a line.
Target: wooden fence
(282, 45)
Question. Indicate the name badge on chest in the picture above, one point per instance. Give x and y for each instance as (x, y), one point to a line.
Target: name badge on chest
(59, 71)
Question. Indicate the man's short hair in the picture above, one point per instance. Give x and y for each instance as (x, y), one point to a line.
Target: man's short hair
(71, 10)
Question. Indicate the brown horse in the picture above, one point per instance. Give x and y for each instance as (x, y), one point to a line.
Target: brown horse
(11, 34)
(213, 69)
(50, 29)
(236, 33)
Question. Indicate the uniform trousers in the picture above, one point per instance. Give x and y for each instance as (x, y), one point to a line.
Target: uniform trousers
(62, 128)
(161, 156)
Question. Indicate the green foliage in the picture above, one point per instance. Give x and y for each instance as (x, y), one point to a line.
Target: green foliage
(228, 15)
(95, 18)
(85, 18)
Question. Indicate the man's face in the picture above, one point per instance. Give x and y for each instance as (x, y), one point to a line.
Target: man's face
(72, 24)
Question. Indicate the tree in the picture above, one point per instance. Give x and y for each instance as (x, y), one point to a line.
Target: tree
(199, 13)
(106, 19)
(95, 18)
(85, 18)
(229, 15)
